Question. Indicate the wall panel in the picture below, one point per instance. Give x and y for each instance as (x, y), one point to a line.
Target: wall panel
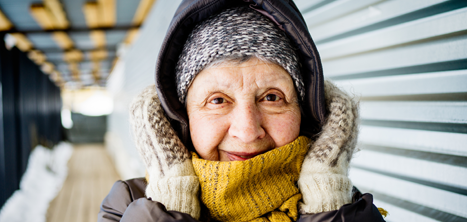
(406, 61)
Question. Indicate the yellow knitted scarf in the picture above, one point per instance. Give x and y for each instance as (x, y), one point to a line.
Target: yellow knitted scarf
(262, 188)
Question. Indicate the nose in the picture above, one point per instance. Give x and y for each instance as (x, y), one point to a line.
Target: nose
(246, 124)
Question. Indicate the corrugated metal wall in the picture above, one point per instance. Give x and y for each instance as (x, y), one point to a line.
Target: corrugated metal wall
(30, 106)
(405, 60)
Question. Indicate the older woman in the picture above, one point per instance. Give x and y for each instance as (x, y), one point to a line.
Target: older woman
(240, 125)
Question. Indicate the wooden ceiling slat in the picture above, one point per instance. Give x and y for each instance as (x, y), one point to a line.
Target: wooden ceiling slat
(91, 14)
(99, 38)
(73, 56)
(22, 42)
(42, 16)
(47, 67)
(63, 40)
(5, 24)
(108, 12)
(56, 10)
(73, 66)
(96, 66)
(37, 56)
(97, 55)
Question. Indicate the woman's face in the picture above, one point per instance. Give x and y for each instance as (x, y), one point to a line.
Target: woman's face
(237, 111)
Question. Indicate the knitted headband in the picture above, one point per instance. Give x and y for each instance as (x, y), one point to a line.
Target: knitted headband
(236, 33)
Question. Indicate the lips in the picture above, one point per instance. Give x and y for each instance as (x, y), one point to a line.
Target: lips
(241, 156)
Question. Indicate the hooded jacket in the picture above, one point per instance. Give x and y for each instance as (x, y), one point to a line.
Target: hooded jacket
(288, 18)
(127, 202)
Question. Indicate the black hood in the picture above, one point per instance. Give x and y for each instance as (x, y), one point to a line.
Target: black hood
(284, 13)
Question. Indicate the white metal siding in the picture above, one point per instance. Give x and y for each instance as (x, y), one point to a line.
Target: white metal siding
(407, 63)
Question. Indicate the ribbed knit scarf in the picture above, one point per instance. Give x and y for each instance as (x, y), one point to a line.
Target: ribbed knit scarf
(262, 188)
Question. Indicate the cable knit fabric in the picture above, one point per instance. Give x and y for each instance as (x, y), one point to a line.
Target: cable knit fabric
(324, 181)
(172, 180)
(262, 188)
(235, 33)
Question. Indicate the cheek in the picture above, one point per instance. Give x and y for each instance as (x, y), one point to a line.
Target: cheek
(206, 134)
(283, 128)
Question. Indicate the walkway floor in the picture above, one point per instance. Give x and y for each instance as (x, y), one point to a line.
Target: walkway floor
(91, 174)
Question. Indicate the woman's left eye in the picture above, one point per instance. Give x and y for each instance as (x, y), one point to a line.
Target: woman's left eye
(271, 97)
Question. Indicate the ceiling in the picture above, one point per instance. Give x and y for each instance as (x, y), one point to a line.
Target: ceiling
(76, 42)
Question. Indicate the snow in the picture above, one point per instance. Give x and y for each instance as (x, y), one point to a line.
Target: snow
(43, 179)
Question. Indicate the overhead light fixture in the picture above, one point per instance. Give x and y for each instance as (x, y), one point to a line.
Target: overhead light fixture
(97, 55)
(49, 15)
(5, 24)
(63, 40)
(107, 12)
(47, 67)
(56, 76)
(56, 10)
(73, 66)
(73, 56)
(37, 57)
(142, 11)
(42, 16)
(99, 38)
(91, 14)
(96, 65)
(22, 42)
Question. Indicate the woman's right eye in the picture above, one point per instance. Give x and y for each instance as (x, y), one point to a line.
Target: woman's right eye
(218, 100)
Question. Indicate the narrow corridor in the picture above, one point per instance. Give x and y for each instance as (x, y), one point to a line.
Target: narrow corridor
(90, 176)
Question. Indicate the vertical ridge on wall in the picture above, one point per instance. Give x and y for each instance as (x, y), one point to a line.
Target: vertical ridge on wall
(407, 63)
(30, 107)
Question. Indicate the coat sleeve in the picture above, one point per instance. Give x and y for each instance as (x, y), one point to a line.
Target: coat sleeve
(362, 210)
(121, 205)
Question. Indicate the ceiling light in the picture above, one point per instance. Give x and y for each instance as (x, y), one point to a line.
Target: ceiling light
(91, 10)
(5, 24)
(99, 38)
(73, 56)
(99, 54)
(42, 16)
(22, 42)
(56, 10)
(63, 40)
(107, 12)
(37, 56)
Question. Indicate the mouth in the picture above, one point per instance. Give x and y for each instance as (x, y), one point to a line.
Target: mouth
(241, 156)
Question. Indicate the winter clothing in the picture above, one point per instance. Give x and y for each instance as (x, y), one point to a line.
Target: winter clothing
(236, 33)
(263, 186)
(160, 125)
(325, 179)
(126, 203)
(285, 14)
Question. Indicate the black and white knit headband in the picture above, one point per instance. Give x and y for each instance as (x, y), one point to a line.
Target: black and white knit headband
(236, 33)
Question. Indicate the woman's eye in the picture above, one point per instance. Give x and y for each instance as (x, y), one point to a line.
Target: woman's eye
(218, 101)
(271, 97)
